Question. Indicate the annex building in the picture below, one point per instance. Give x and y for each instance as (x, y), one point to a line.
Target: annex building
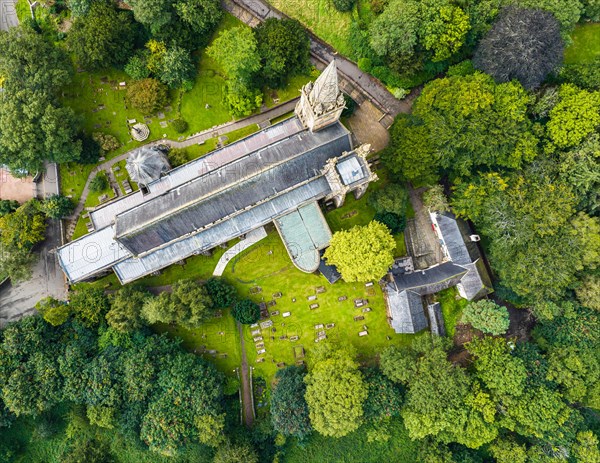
(276, 175)
(405, 289)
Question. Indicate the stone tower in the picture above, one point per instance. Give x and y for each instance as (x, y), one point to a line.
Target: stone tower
(321, 103)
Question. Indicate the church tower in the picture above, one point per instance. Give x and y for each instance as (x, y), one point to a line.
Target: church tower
(321, 103)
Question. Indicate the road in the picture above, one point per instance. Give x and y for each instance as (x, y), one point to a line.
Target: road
(354, 82)
(18, 300)
(8, 15)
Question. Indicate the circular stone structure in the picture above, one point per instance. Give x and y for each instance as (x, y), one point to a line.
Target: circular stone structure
(147, 164)
(140, 132)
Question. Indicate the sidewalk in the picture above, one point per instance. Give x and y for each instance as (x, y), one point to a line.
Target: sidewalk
(251, 238)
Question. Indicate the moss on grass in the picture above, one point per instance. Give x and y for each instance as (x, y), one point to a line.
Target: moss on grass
(452, 308)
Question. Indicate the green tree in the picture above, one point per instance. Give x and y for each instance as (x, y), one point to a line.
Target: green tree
(79, 7)
(576, 370)
(137, 66)
(508, 451)
(89, 305)
(335, 375)
(7, 206)
(236, 50)
(221, 292)
(362, 253)
(284, 49)
(201, 15)
(23, 228)
(586, 448)
(85, 450)
(147, 95)
(395, 31)
(289, 411)
(33, 125)
(487, 316)
(240, 99)
(444, 28)
(385, 397)
(187, 305)
(460, 117)
(411, 155)
(435, 199)
(187, 397)
(343, 5)
(391, 198)
(246, 312)
(125, 309)
(16, 263)
(154, 14)
(236, 453)
(575, 116)
(99, 182)
(103, 37)
(54, 311)
(57, 206)
(177, 67)
(588, 292)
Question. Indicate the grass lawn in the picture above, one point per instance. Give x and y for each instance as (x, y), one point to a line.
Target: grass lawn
(354, 448)
(218, 334)
(452, 308)
(321, 17)
(586, 44)
(268, 265)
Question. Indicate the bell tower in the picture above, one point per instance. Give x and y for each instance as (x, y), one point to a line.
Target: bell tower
(321, 104)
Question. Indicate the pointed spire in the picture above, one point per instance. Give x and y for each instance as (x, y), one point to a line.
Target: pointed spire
(326, 89)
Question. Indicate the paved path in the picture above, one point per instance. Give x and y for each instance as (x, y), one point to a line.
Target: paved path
(251, 238)
(266, 114)
(247, 399)
(356, 83)
(8, 15)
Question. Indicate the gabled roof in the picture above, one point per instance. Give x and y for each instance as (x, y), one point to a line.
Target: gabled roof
(431, 280)
(455, 234)
(229, 189)
(406, 311)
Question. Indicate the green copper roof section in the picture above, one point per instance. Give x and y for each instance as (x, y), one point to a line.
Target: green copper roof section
(304, 232)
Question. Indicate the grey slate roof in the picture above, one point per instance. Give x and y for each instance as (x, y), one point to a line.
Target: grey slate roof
(436, 319)
(431, 280)
(229, 189)
(406, 312)
(330, 272)
(455, 235)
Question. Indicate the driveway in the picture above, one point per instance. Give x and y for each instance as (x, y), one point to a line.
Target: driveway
(48, 279)
(8, 15)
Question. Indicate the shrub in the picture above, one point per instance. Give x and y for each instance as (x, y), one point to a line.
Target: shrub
(99, 182)
(487, 316)
(90, 149)
(107, 142)
(177, 157)
(343, 5)
(7, 206)
(179, 125)
(391, 198)
(246, 312)
(394, 222)
(350, 106)
(399, 93)
(464, 68)
(435, 199)
(147, 95)
(365, 64)
(137, 67)
(222, 293)
(57, 206)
